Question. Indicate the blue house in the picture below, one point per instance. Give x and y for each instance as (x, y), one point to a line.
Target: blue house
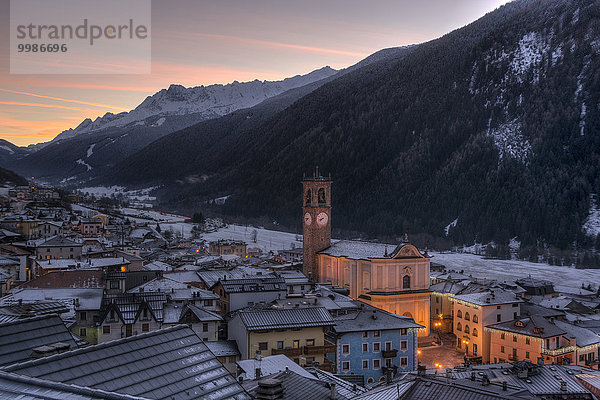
(369, 341)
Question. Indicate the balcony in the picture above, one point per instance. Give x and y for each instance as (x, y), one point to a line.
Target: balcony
(389, 353)
(288, 352)
(312, 350)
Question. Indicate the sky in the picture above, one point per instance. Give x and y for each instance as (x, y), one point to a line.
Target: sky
(203, 42)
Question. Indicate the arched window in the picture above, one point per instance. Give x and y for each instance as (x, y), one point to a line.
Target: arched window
(475, 332)
(308, 196)
(459, 327)
(321, 196)
(370, 380)
(467, 330)
(406, 282)
(459, 314)
(475, 318)
(408, 314)
(467, 316)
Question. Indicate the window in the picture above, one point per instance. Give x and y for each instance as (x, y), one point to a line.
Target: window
(114, 284)
(145, 327)
(365, 334)
(365, 347)
(205, 327)
(403, 361)
(376, 347)
(467, 316)
(502, 335)
(515, 316)
(388, 346)
(459, 327)
(475, 333)
(376, 363)
(310, 342)
(498, 307)
(403, 345)
(388, 362)
(321, 196)
(345, 365)
(403, 332)
(82, 332)
(370, 380)
(82, 316)
(308, 197)
(498, 318)
(406, 282)
(467, 330)
(296, 344)
(527, 341)
(280, 345)
(527, 355)
(106, 329)
(515, 304)
(376, 333)
(145, 313)
(345, 349)
(475, 318)
(459, 313)
(514, 338)
(501, 349)
(263, 345)
(208, 303)
(365, 364)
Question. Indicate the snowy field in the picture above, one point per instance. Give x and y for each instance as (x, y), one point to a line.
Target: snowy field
(265, 239)
(510, 270)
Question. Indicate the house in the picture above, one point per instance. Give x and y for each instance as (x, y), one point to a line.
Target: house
(536, 287)
(369, 341)
(168, 364)
(179, 293)
(50, 228)
(442, 312)
(226, 352)
(25, 226)
(474, 311)
(129, 314)
(235, 294)
(24, 337)
(91, 227)
(205, 323)
(10, 311)
(298, 333)
(227, 247)
(57, 247)
(296, 281)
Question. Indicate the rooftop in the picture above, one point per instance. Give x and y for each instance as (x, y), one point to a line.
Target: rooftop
(222, 348)
(366, 250)
(254, 284)
(489, 297)
(67, 279)
(19, 338)
(270, 365)
(170, 363)
(265, 319)
(534, 326)
(372, 319)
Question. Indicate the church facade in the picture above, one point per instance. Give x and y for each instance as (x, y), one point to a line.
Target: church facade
(394, 278)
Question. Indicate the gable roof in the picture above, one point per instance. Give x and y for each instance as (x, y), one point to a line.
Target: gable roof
(299, 387)
(256, 320)
(129, 305)
(67, 279)
(19, 338)
(57, 241)
(170, 363)
(367, 320)
(534, 326)
(21, 387)
(357, 250)
(254, 284)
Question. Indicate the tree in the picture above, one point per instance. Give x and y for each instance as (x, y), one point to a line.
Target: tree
(198, 218)
(254, 235)
(158, 228)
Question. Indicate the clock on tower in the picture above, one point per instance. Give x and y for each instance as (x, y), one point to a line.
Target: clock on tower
(316, 221)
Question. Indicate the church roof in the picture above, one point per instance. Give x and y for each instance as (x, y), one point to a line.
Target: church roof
(357, 250)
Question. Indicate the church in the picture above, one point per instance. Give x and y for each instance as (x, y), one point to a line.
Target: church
(394, 278)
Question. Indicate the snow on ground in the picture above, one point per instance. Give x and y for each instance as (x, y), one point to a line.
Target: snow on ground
(510, 270)
(81, 162)
(90, 150)
(510, 141)
(450, 225)
(592, 223)
(7, 149)
(160, 121)
(108, 191)
(529, 54)
(266, 240)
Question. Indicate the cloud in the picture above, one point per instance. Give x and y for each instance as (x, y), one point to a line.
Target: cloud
(18, 103)
(65, 100)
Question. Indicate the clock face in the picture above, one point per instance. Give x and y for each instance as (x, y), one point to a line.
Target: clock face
(322, 219)
(307, 219)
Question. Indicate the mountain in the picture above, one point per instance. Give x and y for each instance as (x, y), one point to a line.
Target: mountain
(79, 154)
(8, 177)
(491, 131)
(10, 152)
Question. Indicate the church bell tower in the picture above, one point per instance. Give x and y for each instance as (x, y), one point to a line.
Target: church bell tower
(316, 221)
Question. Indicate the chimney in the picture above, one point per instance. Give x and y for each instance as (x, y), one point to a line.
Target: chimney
(269, 389)
(563, 386)
(421, 370)
(472, 375)
(504, 386)
(540, 360)
(374, 316)
(257, 373)
(333, 394)
(485, 380)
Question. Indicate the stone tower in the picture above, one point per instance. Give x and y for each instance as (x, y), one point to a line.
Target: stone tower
(316, 220)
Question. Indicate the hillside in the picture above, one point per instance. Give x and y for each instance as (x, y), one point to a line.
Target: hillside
(494, 126)
(8, 177)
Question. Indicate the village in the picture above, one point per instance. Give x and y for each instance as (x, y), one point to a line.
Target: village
(128, 303)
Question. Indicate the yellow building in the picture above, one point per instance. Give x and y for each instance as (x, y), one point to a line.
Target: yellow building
(556, 342)
(298, 333)
(394, 278)
(474, 311)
